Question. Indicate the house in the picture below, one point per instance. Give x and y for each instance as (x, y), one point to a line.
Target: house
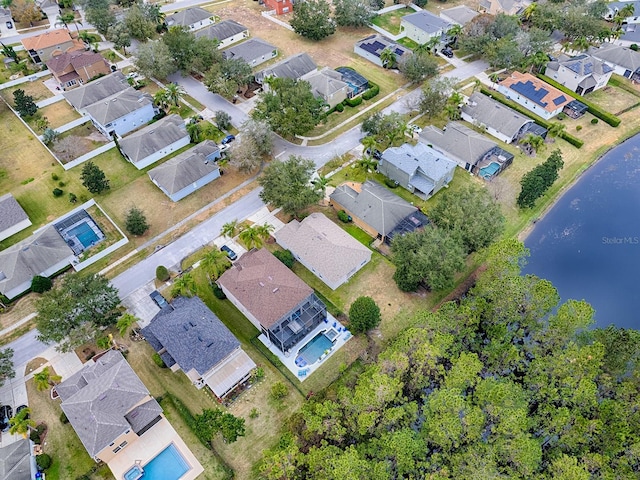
(72, 69)
(324, 248)
(460, 15)
(193, 18)
(508, 7)
(497, 119)
(372, 47)
(273, 298)
(13, 218)
(43, 253)
(420, 169)
(623, 60)
(422, 26)
(15, 460)
(226, 32)
(533, 94)
(189, 337)
(187, 172)
(582, 74)
(294, 67)
(614, 7)
(253, 51)
(472, 151)
(327, 84)
(155, 141)
(377, 210)
(279, 7)
(122, 112)
(356, 82)
(42, 47)
(80, 98)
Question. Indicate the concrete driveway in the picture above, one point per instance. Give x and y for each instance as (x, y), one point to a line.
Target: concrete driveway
(140, 304)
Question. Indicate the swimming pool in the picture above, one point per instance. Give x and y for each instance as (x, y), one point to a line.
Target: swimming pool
(313, 350)
(489, 170)
(167, 465)
(85, 234)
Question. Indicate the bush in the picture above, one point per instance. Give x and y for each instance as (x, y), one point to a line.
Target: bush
(594, 121)
(57, 192)
(373, 90)
(136, 221)
(158, 361)
(255, 413)
(340, 108)
(258, 374)
(159, 115)
(279, 390)
(41, 284)
(578, 128)
(43, 461)
(34, 436)
(61, 184)
(344, 216)
(218, 293)
(353, 102)
(562, 116)
(72, 197)
(390, 183)
(63, 418)
(55, 177)
(286, 257)
(364, 315)
(162, 273)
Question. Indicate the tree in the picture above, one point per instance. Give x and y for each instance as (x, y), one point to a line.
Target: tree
(180, 42)
(537, 181)
(223, 120)
(21, 423)
(41, 284)
(44, 379)
(245, 155)
(211, 422)
(215, 263)
(230, 229)
(124, 324)
(289, 108)
(205, 54)
(418, 67)
(25, 11)
(72, 313)
(470, 214)
(183, 286)
(385, 129)
(153, 59)
(259, 132)
(136, 221)
(435, 94)
(153, 13)
(162, 273)
(174, 93)
(287, 184)
(388, 58)
(9, 52)
(227, 76)
(98, 13)
(533, 142)
(555, 129)
(93, 178)
(432, 256)
(286, 257)
(6, 365)
(312, 19)
(66, 18)
(24, 104)
(138, 25)
(353, 13)
(364, 315)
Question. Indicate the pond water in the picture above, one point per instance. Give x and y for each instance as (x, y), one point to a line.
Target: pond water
(588, 244)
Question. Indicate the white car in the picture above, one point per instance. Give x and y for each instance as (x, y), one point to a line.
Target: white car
(414, 128)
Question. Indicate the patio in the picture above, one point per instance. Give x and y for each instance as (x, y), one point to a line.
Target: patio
(335, 332)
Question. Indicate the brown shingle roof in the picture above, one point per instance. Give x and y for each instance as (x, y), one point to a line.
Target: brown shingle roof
(264, 286)
(75, 59)
(48, 39)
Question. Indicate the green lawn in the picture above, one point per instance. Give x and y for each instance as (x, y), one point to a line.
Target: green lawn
(407, 42)
(390, 21)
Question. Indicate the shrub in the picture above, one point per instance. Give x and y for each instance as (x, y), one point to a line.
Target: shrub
(255, 413)
(373, 90)
(63, 418)
(578, 128)
(634, 47)
(43, 461)
(594, 121)
(34, 436)
(55, 177)
(158, 361)
(72, 197)
(340, 108)
(286, 257)
(136, 221)
(218, 293)
(159, 115)
(41, 284)
(353, 102)
(344, 216)
(258, 374)
(279, 390)
(364, 315)
(562, 116)
(57, 192)
(61, 184)
(390, 183)
(162, 273)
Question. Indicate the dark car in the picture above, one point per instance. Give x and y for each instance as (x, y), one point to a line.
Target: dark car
(377, 154)
(230, 253)
(9, 25)
(228, 139)
(159, 299)
(447, 52)
(6, 412)
(20, 408)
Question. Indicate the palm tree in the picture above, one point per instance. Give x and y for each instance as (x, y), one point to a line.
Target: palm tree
(453, 112)
(529, 12)
(160, 99)
(231, 229)
(251, 237)
(454, 32)
(65, 19)
(9, 52)
(183, 286)
(388, 58)
(555, 130)
(365, 164)
(124, 323)
(21, 423)
(194, 131)
(539, 60)
(432, 43)
(174, 93)
(85, 36)
(154, 13)
(580, 43)
(321, 184)
(264, 231)
(420, 49)
(370, 144)
(534, 142)
(215, 263)
(43, 379)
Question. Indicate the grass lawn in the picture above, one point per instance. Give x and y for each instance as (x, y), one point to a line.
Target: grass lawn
(36, 89)
(390, 21)
(193, 102)
(613, 99)
(59, 114)
(407, 42)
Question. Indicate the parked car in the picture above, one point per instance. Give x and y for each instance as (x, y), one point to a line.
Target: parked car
(6, 412)
(377, 154)
(230, 253)
(414, 128)
(228, 139)
(159, 300)
(20, 408)
(9, 25)
(447, 52)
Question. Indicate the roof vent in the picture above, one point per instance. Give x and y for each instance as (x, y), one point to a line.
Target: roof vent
(261, 284)
(274, 290)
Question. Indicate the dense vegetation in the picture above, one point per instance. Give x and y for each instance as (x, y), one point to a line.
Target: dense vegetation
(505, 383)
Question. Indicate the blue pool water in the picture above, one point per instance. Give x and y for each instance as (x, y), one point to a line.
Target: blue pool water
(167, 465)
(489, 170)
(313, 350)
(133, 473)
(84, 234)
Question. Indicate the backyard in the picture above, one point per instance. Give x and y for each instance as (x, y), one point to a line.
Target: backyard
(78, 141)
(390, 21)
(36, 88)
(58, 114)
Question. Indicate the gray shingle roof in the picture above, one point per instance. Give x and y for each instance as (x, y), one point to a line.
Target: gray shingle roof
(460, 14)
(264, 286)
(11, 213)
(118, 105)
(185, 168)
(409, 159)
(148, 140)
(192, 335)
(30, 257)
(97, 90)
(375, 205)
(325, 82)
(249, 50)
(293, 67)
(15, 460)
(221, 31)
(188, 16)
(617, 55)
(427, 21)
(458, 142)
(493, 114)
(323, 245)
(97, 399)
(141, 416)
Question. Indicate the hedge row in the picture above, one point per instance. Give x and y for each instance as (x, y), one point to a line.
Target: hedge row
(594, 110)
(371, 92)
(368, 94)
(623, 86)
(576, 142)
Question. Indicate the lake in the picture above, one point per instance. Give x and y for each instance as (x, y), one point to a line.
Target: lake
(588, 244)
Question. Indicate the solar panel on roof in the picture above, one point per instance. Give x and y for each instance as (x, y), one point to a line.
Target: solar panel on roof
(559, 100)
(528, 89)
(398, 52)
(378, 45)
(588, 68)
